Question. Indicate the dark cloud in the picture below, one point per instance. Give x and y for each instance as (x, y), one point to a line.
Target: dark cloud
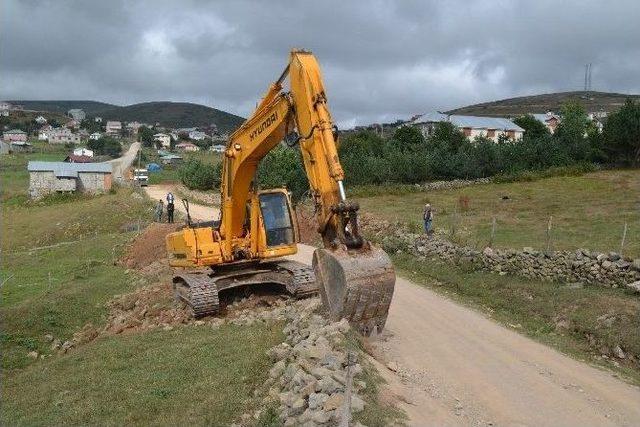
(382, 60)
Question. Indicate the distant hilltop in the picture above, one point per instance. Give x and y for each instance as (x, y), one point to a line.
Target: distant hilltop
(169, 114)
(592, 102)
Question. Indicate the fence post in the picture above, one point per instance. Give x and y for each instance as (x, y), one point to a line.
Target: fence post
(549, 233)
(624, 237)
(493, 231)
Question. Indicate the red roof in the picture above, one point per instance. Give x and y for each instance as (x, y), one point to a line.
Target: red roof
(72, 158)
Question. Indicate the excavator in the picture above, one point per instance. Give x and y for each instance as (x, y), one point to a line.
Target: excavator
(257, 228)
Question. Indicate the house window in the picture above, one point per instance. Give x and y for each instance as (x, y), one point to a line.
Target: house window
(491, 133)
(511, 134)
(466, 131)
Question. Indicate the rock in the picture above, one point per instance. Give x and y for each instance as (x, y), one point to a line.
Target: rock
(66, 346)
(528, 250)
(636, 264)
(48, 338)
(614, 256)
(316, 400)
(55, 345)
(393, 366)
(634, 286)
(277, 370)
(327, 385)
(298, 406)
(321, 417)
(487, 252)
(199, 322)
(617, 351)
(606, 264)
(334, 401)
(357, 404)
(33, 354)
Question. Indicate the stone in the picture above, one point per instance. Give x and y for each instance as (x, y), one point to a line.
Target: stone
(393, 366)
(327, 385)
(66, 346)
(277, 370)
(606, 264)
(487, 252)
(48, 338)
(321, 417)
(634, 286)
(316, 400)
(298, 406)
(614, 256)
(636, 264)
(617, 351)
(334, 401)
(56, 344)
(33, 354)
(357, 404)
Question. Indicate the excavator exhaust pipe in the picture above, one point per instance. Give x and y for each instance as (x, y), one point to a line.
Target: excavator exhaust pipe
(356, 284)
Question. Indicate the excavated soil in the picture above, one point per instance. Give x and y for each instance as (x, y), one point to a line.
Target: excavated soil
(149, 246)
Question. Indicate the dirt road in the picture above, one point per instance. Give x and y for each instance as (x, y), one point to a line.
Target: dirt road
(454, 366)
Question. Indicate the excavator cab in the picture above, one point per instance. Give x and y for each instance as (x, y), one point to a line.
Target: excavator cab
(277, 218)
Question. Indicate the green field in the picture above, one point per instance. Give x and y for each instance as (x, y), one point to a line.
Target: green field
(170, 173)
(58, 272)
(586, 211)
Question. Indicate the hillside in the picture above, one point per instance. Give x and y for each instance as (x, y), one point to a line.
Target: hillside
(174, 114)
(171, 114)
(592, 101)
(90, 107)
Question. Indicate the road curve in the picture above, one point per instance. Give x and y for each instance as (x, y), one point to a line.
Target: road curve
(455, 366)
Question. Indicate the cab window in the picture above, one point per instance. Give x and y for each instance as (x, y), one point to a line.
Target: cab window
(277, 220)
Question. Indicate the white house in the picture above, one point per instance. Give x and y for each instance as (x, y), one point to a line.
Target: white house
(113, 128)
(62, 136)
(471, 126)
(82, 151)
(77, 114)
(217, 148)
(95, 136)
(163, 138)
(5, 106)
(40, 120)
(196, 135)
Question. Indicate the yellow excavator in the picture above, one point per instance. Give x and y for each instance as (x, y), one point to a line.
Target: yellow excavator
(258, 228)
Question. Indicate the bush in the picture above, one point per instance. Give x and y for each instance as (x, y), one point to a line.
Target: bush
(196, 175)
(283, 167)
(105, 146)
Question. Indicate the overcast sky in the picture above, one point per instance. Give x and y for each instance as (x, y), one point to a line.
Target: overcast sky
(381, 60)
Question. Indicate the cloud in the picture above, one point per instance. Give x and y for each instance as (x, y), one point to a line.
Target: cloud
(382, 60)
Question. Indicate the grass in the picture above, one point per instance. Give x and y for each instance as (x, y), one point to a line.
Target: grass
(537, 307)
(170, 173)
(586, 211)
(191, 375)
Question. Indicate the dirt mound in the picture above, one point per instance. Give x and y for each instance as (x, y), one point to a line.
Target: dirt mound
(149, 246)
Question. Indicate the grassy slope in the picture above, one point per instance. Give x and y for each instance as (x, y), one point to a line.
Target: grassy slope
(169, 174)
(540, 309)
(588, 211)
(592, 101)
(189, 375)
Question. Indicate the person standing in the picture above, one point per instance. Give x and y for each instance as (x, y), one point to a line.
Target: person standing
(159, 209)
(170, 207)
(427, 217)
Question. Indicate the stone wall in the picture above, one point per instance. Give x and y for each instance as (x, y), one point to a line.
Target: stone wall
(583, 266)
(45, 182)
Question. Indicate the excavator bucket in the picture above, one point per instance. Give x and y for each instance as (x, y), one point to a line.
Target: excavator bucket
(356, 284)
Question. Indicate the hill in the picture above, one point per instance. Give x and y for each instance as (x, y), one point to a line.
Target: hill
(592, 101)
(89, 107)
(175, 114)
(170, 114)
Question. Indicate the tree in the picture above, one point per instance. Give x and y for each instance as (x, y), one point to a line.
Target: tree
(408, 138)
(621, 134)
(572, 129)
(90, 125)
(197, 175)
(105, 146)
(145, 135)
(448, 137)
(533, 127)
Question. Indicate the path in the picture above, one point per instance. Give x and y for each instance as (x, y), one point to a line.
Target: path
(121, 164)
(457, 367)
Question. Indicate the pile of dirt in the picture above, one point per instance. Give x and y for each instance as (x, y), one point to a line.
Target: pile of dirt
(307, 225)
(148, 247)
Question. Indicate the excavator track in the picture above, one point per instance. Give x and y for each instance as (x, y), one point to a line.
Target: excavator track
(200, 289)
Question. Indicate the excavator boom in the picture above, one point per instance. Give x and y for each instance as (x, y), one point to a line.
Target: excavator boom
(355, 279)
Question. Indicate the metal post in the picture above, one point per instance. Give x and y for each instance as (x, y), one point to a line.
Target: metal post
(343, 195)
(624, 237)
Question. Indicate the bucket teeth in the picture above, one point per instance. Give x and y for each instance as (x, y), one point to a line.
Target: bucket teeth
(356, 285)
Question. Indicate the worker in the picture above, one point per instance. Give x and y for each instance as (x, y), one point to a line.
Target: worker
(159, 209)
(170, 198)
(170, 212)
(427, 217)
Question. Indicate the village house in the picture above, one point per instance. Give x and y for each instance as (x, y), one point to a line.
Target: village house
(132, 127)
(164, 139)
(170, 159)
(113, 128)
(43, 132)
(550, 120)
(51, 177)
(82, 151)
(187, 146)
(77, 114)
(471, 126)
(217, 148)
(196, 135)
(40, 120)
(72, 158)
(16, 147)
(72, 124)
(14, 135)
(5, 106)
(95, 136)
(62, 136)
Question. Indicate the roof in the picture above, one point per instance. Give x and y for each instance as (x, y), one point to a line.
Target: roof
(474, 122)
(16, 131)
(160, 135)
(76, 110)
(171, 157)
(68, 170)
(186, 144)
(21, 143)
(544, 117)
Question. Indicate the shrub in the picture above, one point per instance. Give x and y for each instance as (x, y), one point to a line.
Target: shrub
(196, 175)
